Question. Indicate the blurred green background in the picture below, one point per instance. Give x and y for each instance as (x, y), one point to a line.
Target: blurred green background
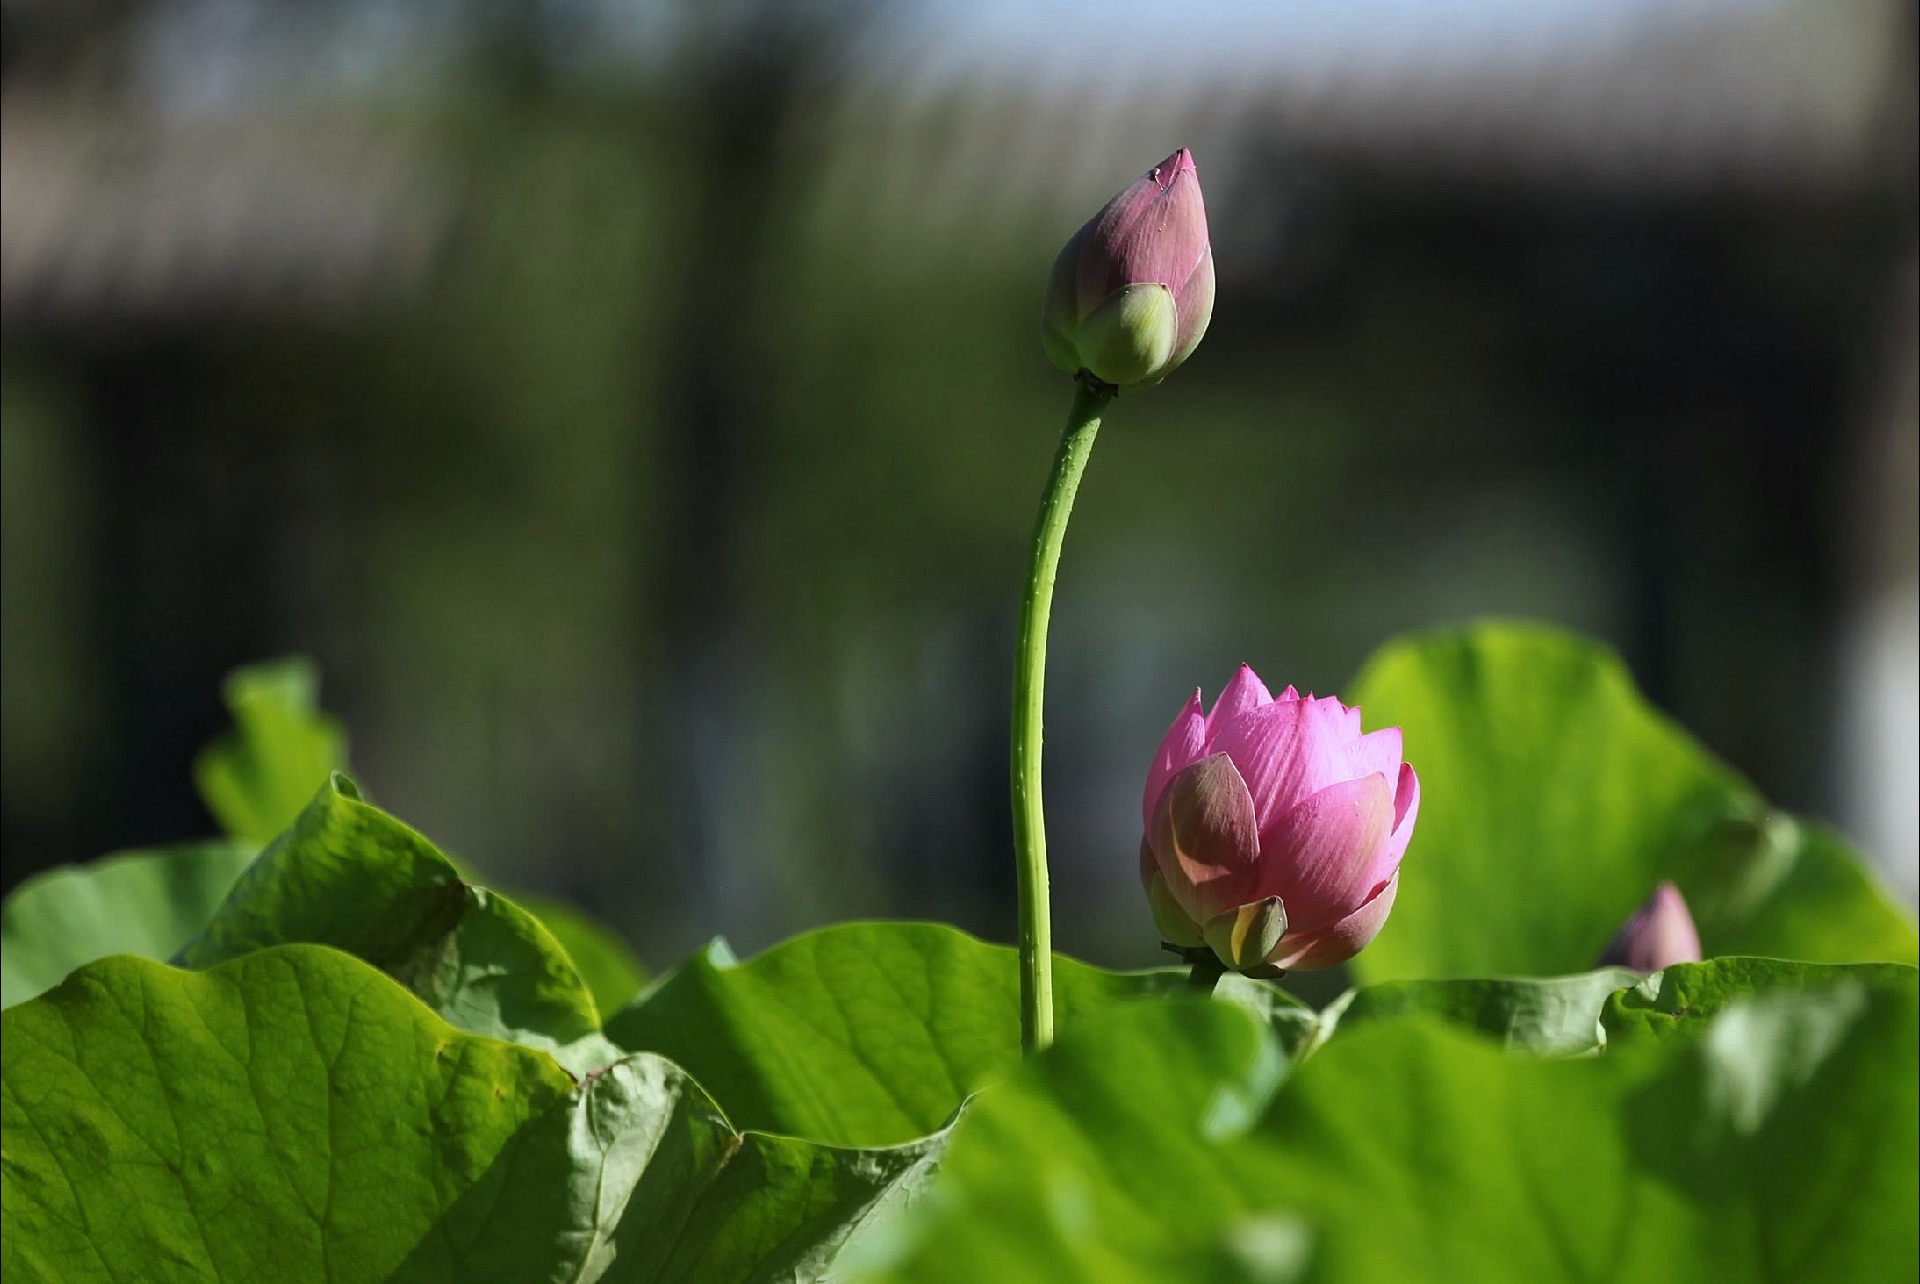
(639, 412)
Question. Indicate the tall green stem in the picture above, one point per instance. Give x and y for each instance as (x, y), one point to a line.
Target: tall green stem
(1029, 696)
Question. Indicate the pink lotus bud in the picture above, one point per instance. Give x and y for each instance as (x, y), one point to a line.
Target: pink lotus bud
(1275, 829)
(1660, 933)
(1132, 292)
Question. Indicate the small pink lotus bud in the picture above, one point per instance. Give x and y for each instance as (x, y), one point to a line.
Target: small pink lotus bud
(1132, 292)
(1660, 933)
(1274, 829)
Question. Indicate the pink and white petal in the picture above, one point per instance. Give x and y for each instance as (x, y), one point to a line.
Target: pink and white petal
(1284, 753)
(1386, 862)
(1184, 743)
(1334, 718)
(1245, 693)
(1204, 839)
(1377, 752)
(1406, 800)
(1315, 856)
(1312, 951)
(1291, 693)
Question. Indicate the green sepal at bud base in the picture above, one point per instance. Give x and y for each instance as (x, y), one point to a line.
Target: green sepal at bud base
(1245, 938)
(1172, 921)
(1127, 339)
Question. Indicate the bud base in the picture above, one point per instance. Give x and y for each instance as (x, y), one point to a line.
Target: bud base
(1194, 957)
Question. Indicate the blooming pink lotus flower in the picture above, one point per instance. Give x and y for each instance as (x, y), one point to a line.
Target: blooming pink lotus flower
(1274, 829)
(1132, 292)
(1658, 934)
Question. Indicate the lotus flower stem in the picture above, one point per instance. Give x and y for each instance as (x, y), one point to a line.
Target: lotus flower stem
(1205, 975)
(1029, 696)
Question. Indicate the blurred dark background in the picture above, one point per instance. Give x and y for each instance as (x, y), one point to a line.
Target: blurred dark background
(639, 412)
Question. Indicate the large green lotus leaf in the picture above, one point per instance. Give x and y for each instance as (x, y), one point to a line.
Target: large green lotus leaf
(1781, 1143)
(145, 903)
(599, 955)
(1558, 1015)
(1553, 799)
(867, 1033)
(1299, 1028)
(654, 1184)
(770, 1208)
(294, 1115)
(1112, 1157)
(1682, 999)
(1574, 1015)
(347, 874)
(1792, 889)
(256, 778)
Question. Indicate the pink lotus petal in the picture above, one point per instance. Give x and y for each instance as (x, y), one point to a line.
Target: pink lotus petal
(1154, 230)
(1245, 693)
(1291, 693)
(1406, 808)
(1286, 752)
(1193, 308)
(1184, 742)
(1315, 855)
(1311, 951)
(1334, 718)
(1204, 839)
(1377, 752)
(1406, 802)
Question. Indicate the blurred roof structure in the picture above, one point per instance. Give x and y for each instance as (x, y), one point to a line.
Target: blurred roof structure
(109, 211)
(1765, 97)
(103, 215)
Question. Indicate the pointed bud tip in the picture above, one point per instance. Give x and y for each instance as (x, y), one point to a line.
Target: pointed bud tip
(1657, 935)
(1181, 162)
